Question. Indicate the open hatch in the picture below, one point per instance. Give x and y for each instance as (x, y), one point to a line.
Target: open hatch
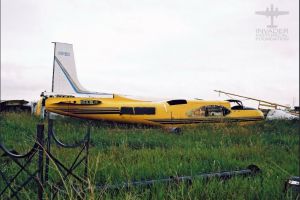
(238, 105)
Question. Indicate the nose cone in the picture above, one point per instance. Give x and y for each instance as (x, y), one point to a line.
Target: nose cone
(260, 113)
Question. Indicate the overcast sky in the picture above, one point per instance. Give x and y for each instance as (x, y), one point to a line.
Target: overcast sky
(152, 48)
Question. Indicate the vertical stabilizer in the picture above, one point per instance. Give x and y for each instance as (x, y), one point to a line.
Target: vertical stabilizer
(64, 79)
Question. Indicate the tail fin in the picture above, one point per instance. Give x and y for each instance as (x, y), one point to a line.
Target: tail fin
(64, 79)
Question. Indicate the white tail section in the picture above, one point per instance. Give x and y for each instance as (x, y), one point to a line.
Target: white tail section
(64, 80)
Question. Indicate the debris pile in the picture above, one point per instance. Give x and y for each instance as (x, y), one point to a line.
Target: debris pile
(280, 114)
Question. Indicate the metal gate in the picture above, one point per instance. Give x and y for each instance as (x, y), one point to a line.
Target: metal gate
(35, 164)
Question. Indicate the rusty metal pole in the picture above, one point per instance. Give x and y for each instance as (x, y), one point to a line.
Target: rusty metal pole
(251, 170)
(40, 177)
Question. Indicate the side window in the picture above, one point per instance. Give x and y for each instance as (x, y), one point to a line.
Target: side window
(144, 111)
(137, 111)
(126, 110)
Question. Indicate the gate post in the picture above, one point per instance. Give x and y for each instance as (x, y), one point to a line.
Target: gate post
(50, 127)
(87, 146)
(40, 177)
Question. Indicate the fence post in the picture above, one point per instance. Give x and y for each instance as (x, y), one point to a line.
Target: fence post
(40, 140)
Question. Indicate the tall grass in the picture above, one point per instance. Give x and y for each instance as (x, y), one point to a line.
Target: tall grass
(121, 154)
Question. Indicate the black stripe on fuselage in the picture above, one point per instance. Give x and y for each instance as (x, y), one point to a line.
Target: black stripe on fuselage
(104, 110)
(93, 112)
(102, 113)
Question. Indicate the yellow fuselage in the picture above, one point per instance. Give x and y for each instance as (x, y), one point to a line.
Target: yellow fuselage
(165, 113)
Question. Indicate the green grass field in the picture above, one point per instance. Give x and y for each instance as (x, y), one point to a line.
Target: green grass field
(123, 154)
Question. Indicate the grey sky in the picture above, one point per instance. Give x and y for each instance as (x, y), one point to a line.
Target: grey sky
(151, 48)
